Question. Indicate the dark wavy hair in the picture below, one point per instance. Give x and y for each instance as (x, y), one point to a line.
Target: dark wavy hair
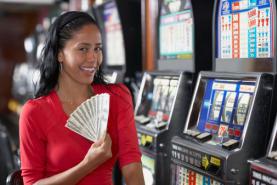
(59, 33)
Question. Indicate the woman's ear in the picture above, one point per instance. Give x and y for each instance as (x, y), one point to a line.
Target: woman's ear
(60, 57)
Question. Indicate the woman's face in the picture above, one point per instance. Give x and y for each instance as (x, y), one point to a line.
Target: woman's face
(82, 54)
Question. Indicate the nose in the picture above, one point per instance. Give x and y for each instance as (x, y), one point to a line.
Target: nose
(92, 55)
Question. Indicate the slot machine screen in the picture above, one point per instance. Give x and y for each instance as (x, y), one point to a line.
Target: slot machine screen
(176, 35)
(114, 43)
(157, 99)
(224, 108)
(245, 35)
(145, 99)
(164, 93)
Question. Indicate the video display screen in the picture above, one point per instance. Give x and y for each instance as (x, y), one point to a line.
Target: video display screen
(145, 99)
(156, 100)
(176, 30)
(164, 93)
(225, 108)
(245, 29)
(115, 52)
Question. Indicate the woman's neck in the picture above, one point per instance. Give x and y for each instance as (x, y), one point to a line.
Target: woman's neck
(71, 92)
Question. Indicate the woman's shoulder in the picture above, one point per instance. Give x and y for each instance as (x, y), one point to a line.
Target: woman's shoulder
(118, 88)
(118, 92)
(36, 104)
(37, 114)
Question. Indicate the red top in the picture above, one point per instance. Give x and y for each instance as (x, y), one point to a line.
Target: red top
(47, 147)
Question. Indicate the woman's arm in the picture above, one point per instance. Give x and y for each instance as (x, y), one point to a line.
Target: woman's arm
(99, 152)
(129, 154)
(133, 174)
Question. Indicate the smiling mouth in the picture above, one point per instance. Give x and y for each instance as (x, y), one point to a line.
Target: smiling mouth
(88, 69)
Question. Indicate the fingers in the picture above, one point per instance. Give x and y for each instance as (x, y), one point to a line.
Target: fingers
(107, 146)
(102, 138)
(108, 140)
(105, 139)
(101, 149)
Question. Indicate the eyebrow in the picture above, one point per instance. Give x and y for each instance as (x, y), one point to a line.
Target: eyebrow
(88, 44)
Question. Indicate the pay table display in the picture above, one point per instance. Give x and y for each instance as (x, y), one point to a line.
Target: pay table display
(245, 35)
(176, 33)
(245, 29)
(114, 37)
(176, 36)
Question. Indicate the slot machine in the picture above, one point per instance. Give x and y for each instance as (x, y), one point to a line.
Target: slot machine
(230, 114)
(165, 94)
(264, 170)
(25, 75)
(160, 98)
(120, 27)
(121, 34)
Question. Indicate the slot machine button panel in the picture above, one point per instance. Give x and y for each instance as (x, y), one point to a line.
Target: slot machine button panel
(141, 119)
(146, 141)
(193, 133)
(203, 137)
(230, 144)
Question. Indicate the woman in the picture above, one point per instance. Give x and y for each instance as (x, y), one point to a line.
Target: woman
(70, 74)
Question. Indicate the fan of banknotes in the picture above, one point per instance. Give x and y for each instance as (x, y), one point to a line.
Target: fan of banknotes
(91, 117)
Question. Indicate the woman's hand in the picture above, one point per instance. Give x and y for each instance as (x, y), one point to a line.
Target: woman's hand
(99, 152)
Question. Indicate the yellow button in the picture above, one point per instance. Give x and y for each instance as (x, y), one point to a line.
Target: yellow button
(215, 161)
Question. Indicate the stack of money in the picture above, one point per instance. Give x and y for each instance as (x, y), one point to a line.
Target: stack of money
(90, 119)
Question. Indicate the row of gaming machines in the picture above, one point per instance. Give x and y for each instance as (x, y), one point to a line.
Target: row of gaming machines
(222, 131)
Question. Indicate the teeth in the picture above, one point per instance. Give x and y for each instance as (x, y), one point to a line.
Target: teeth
(89, 69)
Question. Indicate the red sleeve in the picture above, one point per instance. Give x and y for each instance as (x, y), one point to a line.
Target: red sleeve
(32, 143)
(127, 135)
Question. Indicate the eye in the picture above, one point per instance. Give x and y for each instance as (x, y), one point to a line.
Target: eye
(83, 49)
(98, 49)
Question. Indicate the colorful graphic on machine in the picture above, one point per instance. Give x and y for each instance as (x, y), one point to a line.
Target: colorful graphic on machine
(176, 30)
(245, 29)
(115, 46)
(184, 176)
(198, 159)
(146, 140)
(224, 110)
(164, 93)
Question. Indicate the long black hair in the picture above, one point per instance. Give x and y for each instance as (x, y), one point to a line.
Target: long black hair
(59, 33)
